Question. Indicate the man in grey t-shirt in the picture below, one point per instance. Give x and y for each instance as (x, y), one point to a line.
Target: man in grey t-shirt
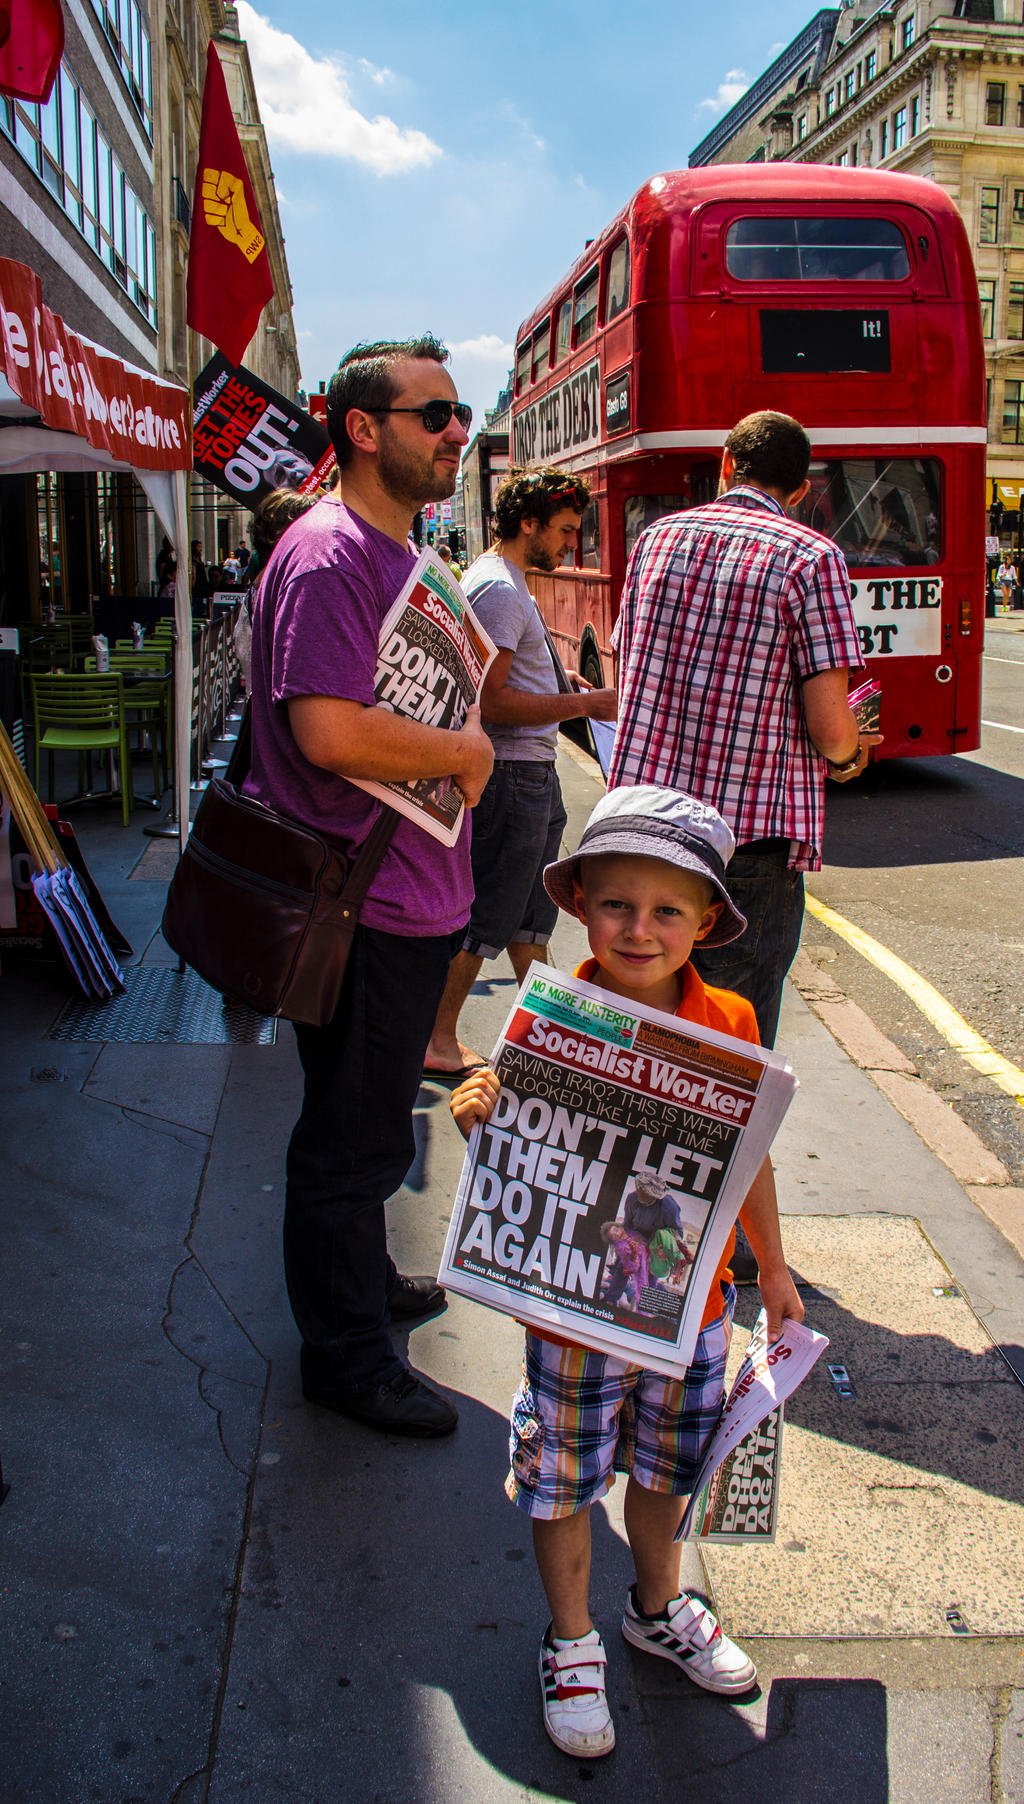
(518, 822)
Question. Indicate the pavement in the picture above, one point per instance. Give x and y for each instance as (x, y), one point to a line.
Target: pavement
(214, 1592)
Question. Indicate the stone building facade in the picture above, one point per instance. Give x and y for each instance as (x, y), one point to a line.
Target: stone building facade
(931, 88)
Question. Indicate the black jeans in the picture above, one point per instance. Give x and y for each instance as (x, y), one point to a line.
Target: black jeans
(772, 899)
(352, 1146)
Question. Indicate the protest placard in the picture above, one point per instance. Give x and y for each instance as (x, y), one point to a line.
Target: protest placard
(248, 440)
(598, 1200)
(431, 663)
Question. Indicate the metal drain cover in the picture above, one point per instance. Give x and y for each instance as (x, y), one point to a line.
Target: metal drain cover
(162, 1006)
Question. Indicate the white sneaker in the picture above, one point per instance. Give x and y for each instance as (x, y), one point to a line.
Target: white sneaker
(576, 1714)
(690, 1636)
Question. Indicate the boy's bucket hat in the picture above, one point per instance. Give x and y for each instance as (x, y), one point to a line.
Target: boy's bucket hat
(651, 822)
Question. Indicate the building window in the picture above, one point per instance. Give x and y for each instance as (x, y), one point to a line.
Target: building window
(830, 103)
(995, 102)
(907, 33)
(1017, 217)
(987, 297)
(1013, 414)
(1020, 105)
(850, 85)
(853, 155)
(989, 232)
(899, 128)
(67, 150)
(1015, 311)
(915, 115)
(870, 65)
(801, 128)
(883, 140)
(125, 31)
(843, 159)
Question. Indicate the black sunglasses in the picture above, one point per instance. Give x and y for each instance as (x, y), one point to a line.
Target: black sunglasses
(436, 414)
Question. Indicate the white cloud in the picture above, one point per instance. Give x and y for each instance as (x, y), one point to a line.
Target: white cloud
(383, 78)
(487, 348)
(736, 82)
(305, 105)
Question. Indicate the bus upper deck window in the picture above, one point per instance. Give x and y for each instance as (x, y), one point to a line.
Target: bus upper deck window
(617, 297)
(522, 366)
(541, 348)
(816, 250)
(564, 329)
(584, 308)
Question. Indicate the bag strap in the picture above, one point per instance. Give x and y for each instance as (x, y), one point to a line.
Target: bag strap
(370, 857)
(368, 860)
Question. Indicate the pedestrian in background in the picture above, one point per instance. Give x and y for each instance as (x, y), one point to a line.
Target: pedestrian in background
(518, 826)
(1006, 577)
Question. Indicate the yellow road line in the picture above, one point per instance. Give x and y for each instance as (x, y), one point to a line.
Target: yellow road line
(952, 1026)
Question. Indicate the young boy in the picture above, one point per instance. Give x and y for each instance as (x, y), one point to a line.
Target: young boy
(647, 882)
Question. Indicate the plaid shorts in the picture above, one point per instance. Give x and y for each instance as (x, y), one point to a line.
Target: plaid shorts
(579, 1417)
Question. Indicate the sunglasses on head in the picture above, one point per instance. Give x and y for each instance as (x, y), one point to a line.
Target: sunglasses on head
(436, 414)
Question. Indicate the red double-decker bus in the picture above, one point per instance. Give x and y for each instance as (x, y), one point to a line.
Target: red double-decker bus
(846, 297)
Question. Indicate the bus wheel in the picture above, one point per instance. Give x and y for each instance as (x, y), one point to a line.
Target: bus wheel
(590, 669)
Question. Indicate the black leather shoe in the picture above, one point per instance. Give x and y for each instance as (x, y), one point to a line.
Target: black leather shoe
(415, 1296)
(401, 1405)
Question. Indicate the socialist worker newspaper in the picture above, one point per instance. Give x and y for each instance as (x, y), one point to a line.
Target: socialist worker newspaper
(597, 1201)
(735, 1494)
(431, 663)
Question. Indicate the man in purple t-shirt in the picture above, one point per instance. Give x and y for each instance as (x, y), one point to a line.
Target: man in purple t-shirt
(398, 433)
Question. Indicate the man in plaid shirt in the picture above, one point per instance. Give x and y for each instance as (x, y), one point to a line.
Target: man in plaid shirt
(735, 640)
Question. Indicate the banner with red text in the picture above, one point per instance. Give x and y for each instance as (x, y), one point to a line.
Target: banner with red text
(75, 386)
(247, 439)
(598, 1200)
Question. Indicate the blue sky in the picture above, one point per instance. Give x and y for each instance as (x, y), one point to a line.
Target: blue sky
(439, 167)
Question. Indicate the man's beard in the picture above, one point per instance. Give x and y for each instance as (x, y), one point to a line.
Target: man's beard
(411, 478)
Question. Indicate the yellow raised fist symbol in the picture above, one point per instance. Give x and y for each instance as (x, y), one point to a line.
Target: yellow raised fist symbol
(225, 209)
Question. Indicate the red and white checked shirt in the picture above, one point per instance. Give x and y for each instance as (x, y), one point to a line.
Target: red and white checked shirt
(726, 610)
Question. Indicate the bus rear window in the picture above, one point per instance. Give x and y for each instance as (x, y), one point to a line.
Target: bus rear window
(816, 250)
(641, 511)
(879, 510)
(584, 309)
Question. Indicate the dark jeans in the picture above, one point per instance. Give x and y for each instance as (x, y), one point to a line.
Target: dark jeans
(755, 965)
(352, 1146)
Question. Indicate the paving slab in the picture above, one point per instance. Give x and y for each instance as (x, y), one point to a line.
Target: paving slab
(899, 1504)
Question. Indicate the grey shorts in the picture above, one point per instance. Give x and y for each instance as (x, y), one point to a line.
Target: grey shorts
(517, 829)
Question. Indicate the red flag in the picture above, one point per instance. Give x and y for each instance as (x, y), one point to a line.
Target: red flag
(31, 46)
(229, 279)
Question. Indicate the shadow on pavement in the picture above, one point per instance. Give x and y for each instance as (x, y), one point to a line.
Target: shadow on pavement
(962, 813)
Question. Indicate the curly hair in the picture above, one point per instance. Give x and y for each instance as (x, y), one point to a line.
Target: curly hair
(536, 494)
(365, 378)
(770, 449)
(276, 511)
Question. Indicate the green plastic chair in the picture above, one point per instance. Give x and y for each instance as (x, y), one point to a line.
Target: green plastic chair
(83, 714)
(148, 706)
